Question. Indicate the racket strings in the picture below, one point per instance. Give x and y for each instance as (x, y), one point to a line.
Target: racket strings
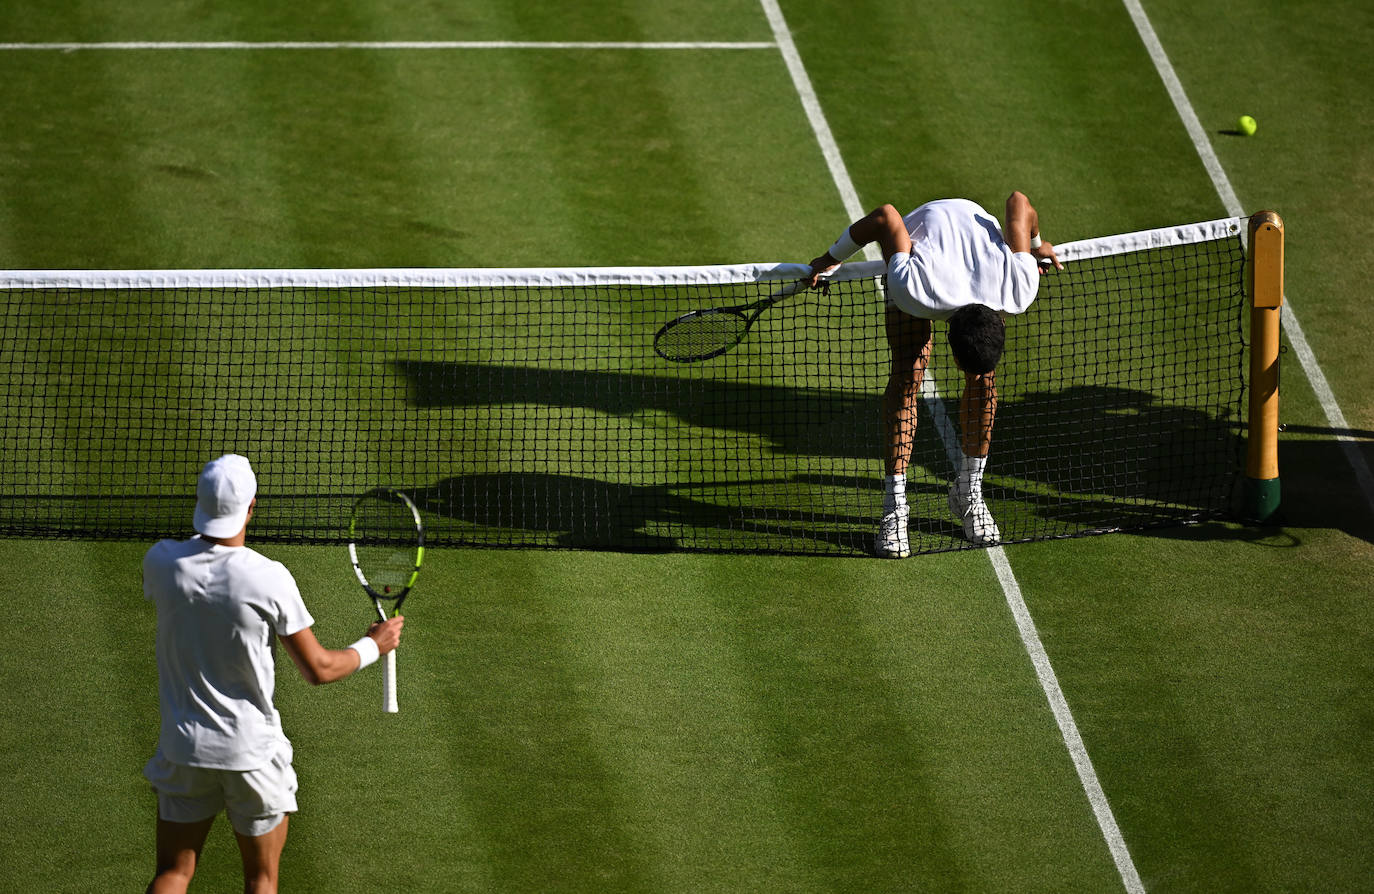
(386, 543)
(387, 569)
(702, 334)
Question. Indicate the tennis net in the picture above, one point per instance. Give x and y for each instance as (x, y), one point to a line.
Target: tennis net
(527, 408)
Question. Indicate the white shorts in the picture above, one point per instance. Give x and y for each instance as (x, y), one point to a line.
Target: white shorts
(255, 800)
(903, 285)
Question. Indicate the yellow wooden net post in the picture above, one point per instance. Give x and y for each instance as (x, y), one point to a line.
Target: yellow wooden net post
(1265, 286)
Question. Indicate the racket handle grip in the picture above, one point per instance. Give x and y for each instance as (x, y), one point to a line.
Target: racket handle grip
(389, 682)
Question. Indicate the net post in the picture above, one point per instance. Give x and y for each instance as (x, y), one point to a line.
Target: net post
(1264, 284)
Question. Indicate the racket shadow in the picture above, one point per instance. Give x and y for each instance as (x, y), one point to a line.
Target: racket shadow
(793, 420)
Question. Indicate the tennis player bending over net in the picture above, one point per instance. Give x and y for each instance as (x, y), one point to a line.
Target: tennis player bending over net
(947, 260)
(220, 606)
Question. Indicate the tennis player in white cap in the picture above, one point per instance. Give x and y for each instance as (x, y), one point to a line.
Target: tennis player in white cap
(221, 748)
(947, 260)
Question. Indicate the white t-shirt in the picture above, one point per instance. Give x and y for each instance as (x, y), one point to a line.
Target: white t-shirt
(958, 257)
(218, 610)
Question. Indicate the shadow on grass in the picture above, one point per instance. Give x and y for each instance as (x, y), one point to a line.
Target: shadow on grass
(1086, 459)
(739, 466)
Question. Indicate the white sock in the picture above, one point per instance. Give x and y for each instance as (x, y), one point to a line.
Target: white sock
(894, 492)
(971, 476)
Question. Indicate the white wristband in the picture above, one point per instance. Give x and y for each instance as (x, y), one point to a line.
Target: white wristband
(844, 246)
(367, 651)
(1035, 241)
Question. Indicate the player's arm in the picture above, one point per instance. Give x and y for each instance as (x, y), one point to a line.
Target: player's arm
(1022, 231)
(883, 225)
(320, 665)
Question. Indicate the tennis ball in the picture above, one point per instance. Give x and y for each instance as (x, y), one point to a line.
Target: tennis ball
(1247, 125)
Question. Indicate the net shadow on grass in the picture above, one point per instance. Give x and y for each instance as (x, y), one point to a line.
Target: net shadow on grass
(710, 464)
(1081, 460)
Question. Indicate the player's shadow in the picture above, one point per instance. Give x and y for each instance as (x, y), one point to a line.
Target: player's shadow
(1088, 459)
(1115, 442)
(1137, 463)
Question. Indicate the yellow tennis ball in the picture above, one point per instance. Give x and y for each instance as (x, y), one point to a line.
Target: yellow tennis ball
(1247, 125)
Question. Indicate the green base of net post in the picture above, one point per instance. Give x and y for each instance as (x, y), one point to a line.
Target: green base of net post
(1260, 499)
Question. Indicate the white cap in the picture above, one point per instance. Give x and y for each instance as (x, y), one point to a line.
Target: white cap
(224, 493)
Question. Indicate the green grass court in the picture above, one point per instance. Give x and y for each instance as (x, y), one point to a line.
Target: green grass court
(596, 721)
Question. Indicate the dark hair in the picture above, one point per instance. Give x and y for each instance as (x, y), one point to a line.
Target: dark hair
(976, 336)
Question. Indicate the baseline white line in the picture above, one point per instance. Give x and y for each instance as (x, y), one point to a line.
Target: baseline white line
(394, 45)
(1049, 683)
(1306, 357)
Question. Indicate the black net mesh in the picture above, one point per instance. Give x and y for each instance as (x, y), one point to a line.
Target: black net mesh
(540, 416)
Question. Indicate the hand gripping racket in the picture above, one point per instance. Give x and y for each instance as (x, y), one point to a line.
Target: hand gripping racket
(703, 334)
(386, 543)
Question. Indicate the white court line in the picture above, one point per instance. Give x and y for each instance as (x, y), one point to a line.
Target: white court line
(1049, 683)
(1315, 377)
(812, 104)
(394, 45)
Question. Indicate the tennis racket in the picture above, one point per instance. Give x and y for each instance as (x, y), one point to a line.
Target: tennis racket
(703, 334)
(386, 543)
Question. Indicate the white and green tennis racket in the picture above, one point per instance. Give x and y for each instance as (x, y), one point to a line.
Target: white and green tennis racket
(386, 543)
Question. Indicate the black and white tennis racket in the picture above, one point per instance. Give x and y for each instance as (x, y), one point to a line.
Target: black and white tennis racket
(703, 334)
(386, 543)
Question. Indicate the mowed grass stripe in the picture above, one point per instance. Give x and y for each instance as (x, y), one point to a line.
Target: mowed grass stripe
(396, 160)
(404, 22)
(79, 718)
(1224, 693)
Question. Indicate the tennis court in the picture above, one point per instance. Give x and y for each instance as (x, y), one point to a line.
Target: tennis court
(1186, 709)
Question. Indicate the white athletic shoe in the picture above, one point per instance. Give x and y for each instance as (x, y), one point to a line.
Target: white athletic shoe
(973, 513)
(892, 542)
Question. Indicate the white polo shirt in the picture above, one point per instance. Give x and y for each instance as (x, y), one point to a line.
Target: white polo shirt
(218, 611)
(958, 257)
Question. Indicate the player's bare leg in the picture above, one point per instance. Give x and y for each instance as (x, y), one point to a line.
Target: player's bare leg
(262, 858)
(178, 851)
(909, 340)
(977, 411)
